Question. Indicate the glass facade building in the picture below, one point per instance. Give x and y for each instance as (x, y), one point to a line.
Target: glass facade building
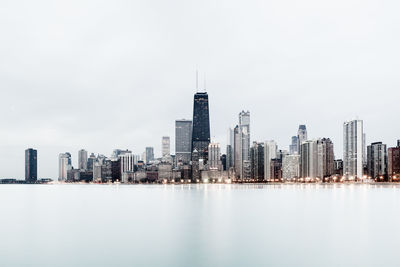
(31, 165)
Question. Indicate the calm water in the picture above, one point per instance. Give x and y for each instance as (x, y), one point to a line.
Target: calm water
(199, 225)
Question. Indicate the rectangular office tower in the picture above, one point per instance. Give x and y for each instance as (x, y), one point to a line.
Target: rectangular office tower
(165, 143)
(83, 159)
(183, 138)
(244, 143)
(200, 133)
(30, 165)
(377, 160)
(353, 149)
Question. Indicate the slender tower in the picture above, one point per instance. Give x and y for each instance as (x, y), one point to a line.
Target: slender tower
(200, 134)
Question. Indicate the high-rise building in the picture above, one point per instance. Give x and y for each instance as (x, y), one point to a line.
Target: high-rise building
(183, 140)
(270, 153)
(64, 165)
(301, 136)
(230, 149)
(317, 158)
(82, 159)
(236, 150)
(200, 133)
(31, 165)
(394, 163)
(309, 159)
(149, 155)
(291, 166)
(127, 165)
(377, 161)
(326, 158)
(90, 162)
(165, 142)
(257, 161)
(244, 144)
(214, 156)
(294, 146)
(353, 149)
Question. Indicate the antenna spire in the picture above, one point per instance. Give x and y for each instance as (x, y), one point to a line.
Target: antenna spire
(205, 87)
(197, 81)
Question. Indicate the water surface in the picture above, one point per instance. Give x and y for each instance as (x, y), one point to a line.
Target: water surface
(199, 225)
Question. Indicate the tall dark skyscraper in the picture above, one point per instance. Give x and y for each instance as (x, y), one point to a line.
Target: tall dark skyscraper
(200, 133)
(31, 165)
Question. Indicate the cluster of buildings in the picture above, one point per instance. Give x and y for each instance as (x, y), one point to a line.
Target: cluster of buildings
(197, 159)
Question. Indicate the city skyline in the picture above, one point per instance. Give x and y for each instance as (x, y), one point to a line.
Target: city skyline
(119, 83)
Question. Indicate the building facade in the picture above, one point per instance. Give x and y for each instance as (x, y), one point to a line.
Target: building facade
(353, 149)
(83, 159)
(394, 163)
(31, 165)
(377, 161)
(183, 141)
(200, 133)
(64, 165)
(166, 146)
(270, 153)
(244, 145)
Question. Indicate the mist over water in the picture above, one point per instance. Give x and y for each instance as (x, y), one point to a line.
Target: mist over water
(199, 225)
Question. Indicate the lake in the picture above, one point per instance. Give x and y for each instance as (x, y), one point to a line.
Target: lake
(200, 225)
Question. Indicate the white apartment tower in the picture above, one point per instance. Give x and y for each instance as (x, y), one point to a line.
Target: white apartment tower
(353, 149)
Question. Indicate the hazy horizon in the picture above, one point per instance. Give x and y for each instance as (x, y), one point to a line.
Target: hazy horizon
(101, 75)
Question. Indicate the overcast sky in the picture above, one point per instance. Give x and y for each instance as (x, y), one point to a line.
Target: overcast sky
(101, 75)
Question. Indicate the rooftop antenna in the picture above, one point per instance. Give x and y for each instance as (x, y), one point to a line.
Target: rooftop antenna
(205, 87)
(197, 81)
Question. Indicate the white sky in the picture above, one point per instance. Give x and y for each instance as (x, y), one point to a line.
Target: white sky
(101, 75)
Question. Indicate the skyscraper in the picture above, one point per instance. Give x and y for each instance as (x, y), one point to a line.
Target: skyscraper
(82, 159)
(244, 132)
(309, 159)
(183, 138)
(200, 132)
(353, 149)
(90, 162)
(236, 150)
(30, 165)
(166, 151)
(325, 158)
(291, 166)
(377, 160)
(230, 149)
(257, 161)
(214, 156)
(149, 154)
(394, 163)
(301, 136)
(64, 165)
(294, 146)
(270, 152)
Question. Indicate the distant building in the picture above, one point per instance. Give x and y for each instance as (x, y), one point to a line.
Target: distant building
(90, 162)
(237, 151)
(291, 166)
(338, 167)
(230, 149)
(149, 154)
(353, 148)
(276, 170)
(82, 159)
(325, 158)
(394, 163)
(294, 146)
(200, 133)
(244, 144)
(214, 157)
(309, 159)
(377, 161)
(301, 136)
(64, 165)
(270, 153)
(165, 143)
(257, 161)
(30, 165)
(183, 141)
